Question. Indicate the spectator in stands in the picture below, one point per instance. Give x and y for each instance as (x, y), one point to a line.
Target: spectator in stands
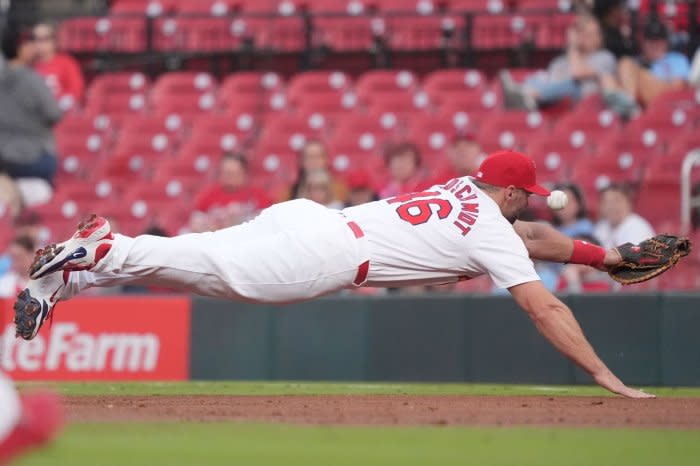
(232, 200)
(655, 71)
(317, 186)
(576, 278)
(573, 219)
(61, 72)
(613, 16)
(360, 189)
(404, 163)
(10, 197)
(618, 223)
(314, 156)
(21, 254)
(574, 75)
(29, 112)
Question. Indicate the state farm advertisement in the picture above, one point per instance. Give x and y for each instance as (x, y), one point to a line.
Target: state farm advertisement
(139, 338)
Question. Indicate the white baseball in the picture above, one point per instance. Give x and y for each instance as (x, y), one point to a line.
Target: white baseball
(557, 200)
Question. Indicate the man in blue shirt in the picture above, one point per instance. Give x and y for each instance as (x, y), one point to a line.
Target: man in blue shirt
(656, 71)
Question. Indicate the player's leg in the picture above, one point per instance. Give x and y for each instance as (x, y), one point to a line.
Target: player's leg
(292, 251)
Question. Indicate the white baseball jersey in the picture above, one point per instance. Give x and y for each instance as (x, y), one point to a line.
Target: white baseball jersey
(446, 233)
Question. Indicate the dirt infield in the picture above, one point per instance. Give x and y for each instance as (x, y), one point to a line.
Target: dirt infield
(673, 413)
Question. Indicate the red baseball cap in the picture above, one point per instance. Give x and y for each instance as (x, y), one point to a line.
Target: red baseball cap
(506, 168)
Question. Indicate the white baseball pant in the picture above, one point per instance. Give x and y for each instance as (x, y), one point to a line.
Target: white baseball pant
(292, 251)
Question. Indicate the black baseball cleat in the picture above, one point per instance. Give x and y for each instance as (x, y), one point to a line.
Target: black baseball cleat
(35, 303)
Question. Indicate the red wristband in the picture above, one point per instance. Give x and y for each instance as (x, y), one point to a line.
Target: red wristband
(587, 254)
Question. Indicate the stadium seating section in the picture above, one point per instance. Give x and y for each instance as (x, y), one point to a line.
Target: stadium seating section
(139, 149)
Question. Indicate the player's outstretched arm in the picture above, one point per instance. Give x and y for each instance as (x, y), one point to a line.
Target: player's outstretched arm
(558, 325)
(544, 243)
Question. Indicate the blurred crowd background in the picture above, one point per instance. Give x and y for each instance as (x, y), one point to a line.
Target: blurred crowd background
(177, 116)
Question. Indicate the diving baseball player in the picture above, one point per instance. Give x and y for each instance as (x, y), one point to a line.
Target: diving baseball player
(298, 250)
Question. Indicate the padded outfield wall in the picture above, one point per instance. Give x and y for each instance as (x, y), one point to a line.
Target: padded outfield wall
(649, 339)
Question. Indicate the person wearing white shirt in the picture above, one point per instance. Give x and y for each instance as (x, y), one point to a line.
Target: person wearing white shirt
(618, 223)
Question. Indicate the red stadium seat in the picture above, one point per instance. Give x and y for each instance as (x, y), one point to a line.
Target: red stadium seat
(270, 164)
(500, 32)
(398, 102)
(588, 128)
(478, 6)
(196, 34)
(659, 131)
(554, 157)
(359, 134)
(192, 167)
(183, 82)
(116, 105)
(510, 130)
(327, 103)
(220, 133)
(421, 7)
(208, 7)
(374, 83)
(119, 82)
(147, 141)
(477, 104)
(442, 84)
(544, 5)
(658, 199)
(348, 7)
(344, 34)
(433, 135)
(84, 142)
(173, 125)
(103, 34)
(281, 34)
(122, 170)
(346, 165)
(150, 8)
(425, 33)
(80, 123)
(310, 83)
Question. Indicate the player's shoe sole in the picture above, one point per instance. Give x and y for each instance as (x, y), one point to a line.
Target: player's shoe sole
(82, 251)
(35, 303)
(42, 419)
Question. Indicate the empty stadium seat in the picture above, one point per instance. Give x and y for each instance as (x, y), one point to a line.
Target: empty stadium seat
(425, 33)
(374, 83)
(346, 34)
(144, 141)
(113, 34)
(269, 164)
(119, 82)
(442, 85)
(510, 130)
(310, 83)
(149, 7)
(194, 34)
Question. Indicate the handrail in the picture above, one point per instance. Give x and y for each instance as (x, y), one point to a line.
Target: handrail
(688, 202)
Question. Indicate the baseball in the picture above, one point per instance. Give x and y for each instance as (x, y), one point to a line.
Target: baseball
(557, 200)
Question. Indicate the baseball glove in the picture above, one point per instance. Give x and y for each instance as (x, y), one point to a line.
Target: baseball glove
(651, 257)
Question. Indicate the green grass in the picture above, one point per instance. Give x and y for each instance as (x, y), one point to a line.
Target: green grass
(323, 388)
(263, 445)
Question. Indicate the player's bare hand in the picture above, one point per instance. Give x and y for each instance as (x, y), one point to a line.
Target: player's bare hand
(612, 258)
(608, 381)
